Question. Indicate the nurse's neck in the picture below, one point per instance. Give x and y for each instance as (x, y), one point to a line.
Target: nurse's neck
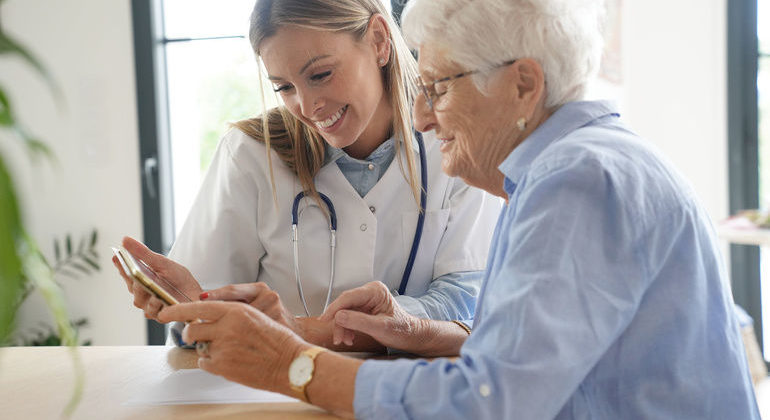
(380, 129)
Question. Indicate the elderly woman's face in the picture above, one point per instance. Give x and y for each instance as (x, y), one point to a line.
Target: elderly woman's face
(469, 124)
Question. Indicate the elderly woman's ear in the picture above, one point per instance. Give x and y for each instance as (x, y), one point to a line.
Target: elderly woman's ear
(525, 81)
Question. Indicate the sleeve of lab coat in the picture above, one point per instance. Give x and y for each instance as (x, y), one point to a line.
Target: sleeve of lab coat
(218, 242)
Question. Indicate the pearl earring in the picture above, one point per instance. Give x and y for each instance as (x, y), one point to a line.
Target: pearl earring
(521, 123)
(381, 62)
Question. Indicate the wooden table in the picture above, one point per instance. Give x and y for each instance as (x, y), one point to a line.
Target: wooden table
(37, 383)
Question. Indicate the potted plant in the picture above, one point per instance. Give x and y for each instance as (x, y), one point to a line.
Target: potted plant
(21, 263)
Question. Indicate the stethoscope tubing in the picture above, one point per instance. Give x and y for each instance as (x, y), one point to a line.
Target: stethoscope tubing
(333, 232)
(332, 246)
(420, 217)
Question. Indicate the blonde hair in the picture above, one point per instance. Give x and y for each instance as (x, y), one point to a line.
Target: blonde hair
(299, 145)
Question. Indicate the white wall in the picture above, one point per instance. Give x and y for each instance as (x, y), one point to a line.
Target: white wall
(87, 46)
(674, 64)
(674, 95)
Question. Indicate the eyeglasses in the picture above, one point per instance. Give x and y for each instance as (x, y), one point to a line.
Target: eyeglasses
(431, 92)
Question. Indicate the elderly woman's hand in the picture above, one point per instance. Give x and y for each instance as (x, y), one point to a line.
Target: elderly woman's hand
(169, 270)
(259, 296)
(245, 345)
(372, 310)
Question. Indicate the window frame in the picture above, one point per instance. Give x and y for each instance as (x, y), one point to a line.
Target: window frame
(743, 149)
(154, 147)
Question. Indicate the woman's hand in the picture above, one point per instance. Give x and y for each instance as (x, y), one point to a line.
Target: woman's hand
(373, 311)
(169, 270)
(245, 345)
(259, 296)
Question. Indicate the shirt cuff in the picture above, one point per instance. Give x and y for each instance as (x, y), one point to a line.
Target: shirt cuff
(380, 386)
(412, 305)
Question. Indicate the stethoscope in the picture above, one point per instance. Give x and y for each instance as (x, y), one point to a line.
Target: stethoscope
(333, 232)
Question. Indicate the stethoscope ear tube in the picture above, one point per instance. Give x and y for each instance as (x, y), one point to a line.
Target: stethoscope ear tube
(420, 218)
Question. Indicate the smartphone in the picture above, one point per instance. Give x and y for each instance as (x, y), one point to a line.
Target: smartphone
(154, 284)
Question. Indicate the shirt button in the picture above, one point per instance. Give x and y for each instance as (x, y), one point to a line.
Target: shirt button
(363, 227)
(484, 390)
(371, 166)
(372, 209)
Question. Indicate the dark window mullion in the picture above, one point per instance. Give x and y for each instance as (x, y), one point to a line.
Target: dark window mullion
(153, 128)
(742, 54)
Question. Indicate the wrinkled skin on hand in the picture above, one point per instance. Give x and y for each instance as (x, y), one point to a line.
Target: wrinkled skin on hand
(372, 310)
(245, 345)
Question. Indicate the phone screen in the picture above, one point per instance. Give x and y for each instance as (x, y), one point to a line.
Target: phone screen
(154, 283)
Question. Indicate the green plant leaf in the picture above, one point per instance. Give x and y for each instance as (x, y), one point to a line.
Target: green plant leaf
(80, 267)
(6, 113)
(11, 273)
(34, 146)
(56, 250)
(91, 262)
(68, 245)
(40, 273)
(81, 245)
(9, 45)
(65, 271)
(94, 238)
(21, 262)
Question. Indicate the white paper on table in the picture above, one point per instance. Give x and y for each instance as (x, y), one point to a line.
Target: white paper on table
(195, 386)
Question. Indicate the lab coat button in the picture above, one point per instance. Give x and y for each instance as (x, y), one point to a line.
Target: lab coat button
(371, 166)
(363, 227)
(372, 209)
(484, 390)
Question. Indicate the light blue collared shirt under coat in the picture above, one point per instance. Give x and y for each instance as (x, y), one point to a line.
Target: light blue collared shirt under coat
(605, 296)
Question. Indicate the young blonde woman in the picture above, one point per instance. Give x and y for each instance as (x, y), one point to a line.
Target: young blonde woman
(346, 79)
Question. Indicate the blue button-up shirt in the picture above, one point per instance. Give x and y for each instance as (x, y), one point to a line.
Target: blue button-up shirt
(605, 296)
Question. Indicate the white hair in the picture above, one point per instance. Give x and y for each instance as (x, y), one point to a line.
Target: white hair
(563, 36)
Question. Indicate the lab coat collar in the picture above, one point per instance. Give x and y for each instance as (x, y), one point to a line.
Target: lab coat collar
(566, 119)
(333, 153)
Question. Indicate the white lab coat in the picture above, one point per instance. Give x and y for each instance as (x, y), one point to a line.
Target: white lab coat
(236, 232)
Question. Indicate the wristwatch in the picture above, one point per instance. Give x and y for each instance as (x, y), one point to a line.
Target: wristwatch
(301, 371)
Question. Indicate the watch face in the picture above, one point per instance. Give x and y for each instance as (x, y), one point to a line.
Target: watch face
(301, 370)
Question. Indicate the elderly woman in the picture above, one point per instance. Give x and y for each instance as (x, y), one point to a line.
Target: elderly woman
(604, 296)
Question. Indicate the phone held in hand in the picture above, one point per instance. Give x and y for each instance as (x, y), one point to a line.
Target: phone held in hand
(154, 284)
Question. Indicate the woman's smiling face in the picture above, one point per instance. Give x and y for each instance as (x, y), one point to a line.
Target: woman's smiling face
(331, 82)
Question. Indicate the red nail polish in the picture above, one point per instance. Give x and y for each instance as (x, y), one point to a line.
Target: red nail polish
(204, 295)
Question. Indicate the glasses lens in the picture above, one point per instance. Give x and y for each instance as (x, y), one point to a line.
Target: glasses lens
(424, 90)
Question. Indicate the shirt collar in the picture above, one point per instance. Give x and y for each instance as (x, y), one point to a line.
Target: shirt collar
(333, 154)
(566, 119)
